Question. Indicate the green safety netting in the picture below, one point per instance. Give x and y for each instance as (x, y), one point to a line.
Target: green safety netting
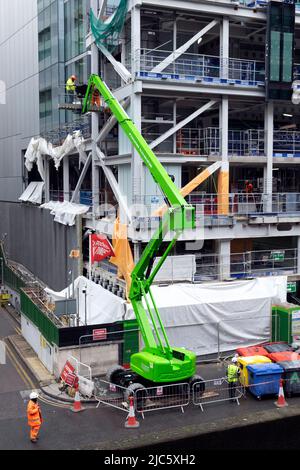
(107, 33)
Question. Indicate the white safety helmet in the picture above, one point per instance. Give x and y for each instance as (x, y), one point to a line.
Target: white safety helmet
(33, 396)
(234, 359)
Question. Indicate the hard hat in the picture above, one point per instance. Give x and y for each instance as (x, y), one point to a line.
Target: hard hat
(33, 396)
(234, 359)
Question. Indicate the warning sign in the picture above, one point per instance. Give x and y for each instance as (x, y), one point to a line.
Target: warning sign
(67, 370)
(100, 334)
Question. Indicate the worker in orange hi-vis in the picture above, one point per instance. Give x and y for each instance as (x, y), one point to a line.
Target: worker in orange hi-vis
(248, 187)
(96, 99)
(34, 417)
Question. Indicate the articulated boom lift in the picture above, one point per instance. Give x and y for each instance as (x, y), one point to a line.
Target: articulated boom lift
(158, 362)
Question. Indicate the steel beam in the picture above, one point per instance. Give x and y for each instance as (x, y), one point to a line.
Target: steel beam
(162, 88)
(181, 124)
(182, 49)
(110, 124)
(124, 210)
(81, 177)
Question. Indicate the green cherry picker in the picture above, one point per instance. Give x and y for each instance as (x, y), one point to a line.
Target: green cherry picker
(158, 363)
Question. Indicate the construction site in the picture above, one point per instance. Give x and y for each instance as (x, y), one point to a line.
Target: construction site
(150, 224)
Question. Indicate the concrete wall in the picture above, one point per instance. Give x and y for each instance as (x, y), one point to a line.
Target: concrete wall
(19, 116)
(40, 244)
(100, 358)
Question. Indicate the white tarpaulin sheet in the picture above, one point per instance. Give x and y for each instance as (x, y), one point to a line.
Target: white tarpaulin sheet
(33, 193)
(199, 317)
(65, 212)
(97, 305)
(221, 316)
(39, 147)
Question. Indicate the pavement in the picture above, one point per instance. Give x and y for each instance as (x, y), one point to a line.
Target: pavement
(103, 427)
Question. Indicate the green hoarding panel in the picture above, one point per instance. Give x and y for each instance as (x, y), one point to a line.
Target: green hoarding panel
(131, 340)
(39, 319)
(286, 323)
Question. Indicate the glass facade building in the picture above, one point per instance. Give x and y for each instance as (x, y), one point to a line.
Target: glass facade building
(62, 28)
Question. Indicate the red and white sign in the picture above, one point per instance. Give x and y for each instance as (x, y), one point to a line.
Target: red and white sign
(99, 334)
(100, 247)
(67, 370)
(71, 379)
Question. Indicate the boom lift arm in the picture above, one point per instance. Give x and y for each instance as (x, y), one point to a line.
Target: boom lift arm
(158, 362)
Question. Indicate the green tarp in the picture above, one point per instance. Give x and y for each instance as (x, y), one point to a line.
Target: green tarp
(107, 33)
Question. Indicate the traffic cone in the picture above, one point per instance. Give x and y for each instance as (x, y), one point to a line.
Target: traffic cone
(77, 403)
(131, 421)
(280, 403)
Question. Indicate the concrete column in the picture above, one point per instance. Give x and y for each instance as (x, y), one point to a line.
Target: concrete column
(135, 38)
(47, 179)
(174, 123)
(224, 259)
(136, 251)
(224, 47)
(137, 169)
(223, 178)
(66, 169)
(95, 124)
(268, 172)
(298, 255)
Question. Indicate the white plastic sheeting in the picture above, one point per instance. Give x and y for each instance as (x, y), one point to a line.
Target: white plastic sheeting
(39, 147)
(33, 193)
(96, 305)
(65, 212)
(224, 315)
(199, 317)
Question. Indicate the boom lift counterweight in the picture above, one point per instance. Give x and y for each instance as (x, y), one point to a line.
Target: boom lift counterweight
(158, 363)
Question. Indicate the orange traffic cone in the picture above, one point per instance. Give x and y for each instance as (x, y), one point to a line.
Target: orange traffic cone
(280, 403)
(131, 421)
(77, 403)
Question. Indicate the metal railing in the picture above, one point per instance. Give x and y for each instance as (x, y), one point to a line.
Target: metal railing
(245, 204)
(216, 391)
(162, 398)
(286, 143)
(112, 395)
(58, 135)
(196, 141)
(249, 264)
(239, 204)
(201, 66)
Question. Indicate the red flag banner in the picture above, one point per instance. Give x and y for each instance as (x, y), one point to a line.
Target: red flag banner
(100, 248)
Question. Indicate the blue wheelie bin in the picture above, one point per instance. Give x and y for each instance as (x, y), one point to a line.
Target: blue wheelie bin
(264, 379)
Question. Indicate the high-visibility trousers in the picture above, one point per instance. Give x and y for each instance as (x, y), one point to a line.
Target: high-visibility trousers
(34, 432)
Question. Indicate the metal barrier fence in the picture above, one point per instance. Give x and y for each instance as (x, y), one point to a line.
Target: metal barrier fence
(201, 393)
(162, 398)
(207, 141)
(111, 395)
(202, 66)
(248, 264)
(216, 391)
(81, 369)
(245, 204)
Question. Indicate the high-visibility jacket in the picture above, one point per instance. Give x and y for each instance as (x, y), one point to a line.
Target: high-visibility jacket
(233, 373)
(70, 86)
(34, 414)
